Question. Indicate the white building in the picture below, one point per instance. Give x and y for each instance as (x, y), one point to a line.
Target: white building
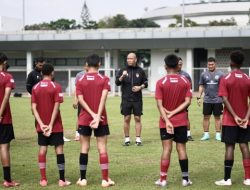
(204, 12)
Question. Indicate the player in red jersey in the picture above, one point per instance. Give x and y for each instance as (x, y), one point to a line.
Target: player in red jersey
(173, 95)
(235, 91)
(92, 90)
(6, 127)
(46, 98)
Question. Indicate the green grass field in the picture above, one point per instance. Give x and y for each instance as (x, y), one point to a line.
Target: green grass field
(130, 167)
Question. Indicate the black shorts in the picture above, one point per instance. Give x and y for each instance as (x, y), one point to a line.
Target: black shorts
(179, 136)
(99, 132)
(6, 133)
(209, 108)
(55, 139)
(128, 108)
(235, 134)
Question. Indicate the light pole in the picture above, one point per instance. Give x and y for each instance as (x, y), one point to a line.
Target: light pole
(183, 14)
(23, 14)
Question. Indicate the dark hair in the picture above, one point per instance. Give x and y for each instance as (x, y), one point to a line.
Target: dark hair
(47, 69)
(93, 60)
(179, 59)
(171, 61)
(3, 58)
(39, 60)
(211, 59)
(237, 57)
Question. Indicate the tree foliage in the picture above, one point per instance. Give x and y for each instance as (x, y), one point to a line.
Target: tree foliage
(227, 22)
(178, 22)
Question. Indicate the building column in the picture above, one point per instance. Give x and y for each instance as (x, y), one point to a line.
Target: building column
(107, 62)
(29, 60)
(115, 59)
(190, 63)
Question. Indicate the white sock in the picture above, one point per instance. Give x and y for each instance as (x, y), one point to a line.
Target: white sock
(188, 133)
(127, 139)
(218, 133)
(138, 139)
(206, 133)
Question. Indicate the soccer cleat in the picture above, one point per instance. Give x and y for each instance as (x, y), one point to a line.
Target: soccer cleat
(62, 183)
(218, 137)
(10, 184)
(162, 183)
(82, 182)
(127, 143)
(138, 143)
(43, 182)
(246, 182)
(66, 140)
(107, 183)
(190, 138)
(224, 183)
(205, 137)
(186, 182)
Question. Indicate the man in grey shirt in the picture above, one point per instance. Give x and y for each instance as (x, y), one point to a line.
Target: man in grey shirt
(212, 103)
(185, 74)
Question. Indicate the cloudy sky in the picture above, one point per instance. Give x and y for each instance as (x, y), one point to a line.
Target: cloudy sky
(38, 11)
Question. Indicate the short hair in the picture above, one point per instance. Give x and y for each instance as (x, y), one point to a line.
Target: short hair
(211, 59)
(47, 69)
(39, 60)
(3, 58)
(93, 60)
(171, 61)
(237, 57)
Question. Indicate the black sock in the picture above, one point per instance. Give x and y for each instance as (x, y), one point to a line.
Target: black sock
(184, 168)
(61, 166)
(83, 160)
(6, 173)
(228, 164)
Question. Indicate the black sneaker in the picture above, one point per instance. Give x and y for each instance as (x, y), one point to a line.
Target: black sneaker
(126, 143)
(138, 143)
(190, 138)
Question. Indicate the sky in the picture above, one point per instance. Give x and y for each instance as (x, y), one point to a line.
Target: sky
(38, 11)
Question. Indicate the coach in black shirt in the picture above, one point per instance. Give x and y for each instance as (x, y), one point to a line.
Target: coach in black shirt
(35, 76)
(132, 79)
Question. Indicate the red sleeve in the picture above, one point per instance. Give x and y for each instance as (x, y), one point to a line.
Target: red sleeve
(188, 90)
(10, 83)
(78, 88)
(222, 88)
(158, 90)
(107, 84)
(33, 96)
(59, 93)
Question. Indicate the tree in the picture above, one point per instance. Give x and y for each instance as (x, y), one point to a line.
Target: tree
(178, 22)
(85, 15)
(227, 22)
(118, 21)
(142, 23)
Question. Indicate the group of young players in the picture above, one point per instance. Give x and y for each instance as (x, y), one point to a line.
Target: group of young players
(173, 96)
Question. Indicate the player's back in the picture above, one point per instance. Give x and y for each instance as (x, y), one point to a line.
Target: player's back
(91, 86)
(174, 88)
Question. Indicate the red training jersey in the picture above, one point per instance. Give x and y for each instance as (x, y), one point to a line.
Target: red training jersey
(45, 94)
(236, 87)
(6, 81)
(172, 90)
(91, 86)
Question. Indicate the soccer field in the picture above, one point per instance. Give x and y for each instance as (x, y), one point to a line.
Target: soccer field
(130, 167)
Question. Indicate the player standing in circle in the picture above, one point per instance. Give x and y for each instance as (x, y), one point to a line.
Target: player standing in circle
(46, 98)
(173, 96)
(235, 91)
(92, 91)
